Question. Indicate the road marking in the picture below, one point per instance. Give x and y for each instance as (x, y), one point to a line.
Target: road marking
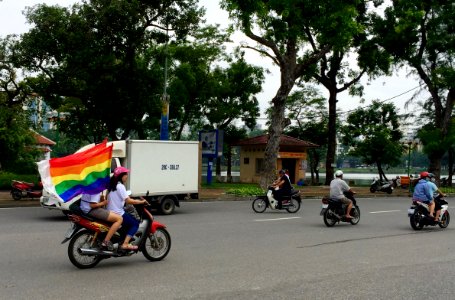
(278, 219)
(383, 211)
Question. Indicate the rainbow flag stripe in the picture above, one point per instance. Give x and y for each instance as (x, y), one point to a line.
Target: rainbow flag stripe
(85, 172)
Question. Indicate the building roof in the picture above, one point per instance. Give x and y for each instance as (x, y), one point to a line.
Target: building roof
(285, 140)
(42, 140)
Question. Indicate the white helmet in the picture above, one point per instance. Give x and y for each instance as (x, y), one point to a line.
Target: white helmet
(338, 173)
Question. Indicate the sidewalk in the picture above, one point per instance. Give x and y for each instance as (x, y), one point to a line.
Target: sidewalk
(208, 194)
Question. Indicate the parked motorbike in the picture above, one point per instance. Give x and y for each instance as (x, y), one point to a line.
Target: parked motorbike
(381, 186)
(87, 234)
(419, 214)
(334, 211)
(290, 203)
(22, 189)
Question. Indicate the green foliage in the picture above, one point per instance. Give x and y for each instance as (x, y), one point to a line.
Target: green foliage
(373, 134)
(7, 177)
(245, 191)
(93, 61)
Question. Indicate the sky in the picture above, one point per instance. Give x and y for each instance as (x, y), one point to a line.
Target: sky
(397, 89)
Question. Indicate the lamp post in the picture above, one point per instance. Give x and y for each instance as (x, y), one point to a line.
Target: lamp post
(409, 160)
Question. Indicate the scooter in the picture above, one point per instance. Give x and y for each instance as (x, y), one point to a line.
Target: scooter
(334, 211)
(290, 203)
(381, 186)
(86, 235)
(419, 214)
(22, 189)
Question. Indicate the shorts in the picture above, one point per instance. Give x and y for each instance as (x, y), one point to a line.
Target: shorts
(99, 213)
(345, 200)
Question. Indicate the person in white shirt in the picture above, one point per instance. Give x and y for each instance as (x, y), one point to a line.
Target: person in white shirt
(337, 188)
(117, 198)
(93, 205)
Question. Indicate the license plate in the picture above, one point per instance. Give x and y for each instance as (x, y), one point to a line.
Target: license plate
(411, 211)
(70, 231)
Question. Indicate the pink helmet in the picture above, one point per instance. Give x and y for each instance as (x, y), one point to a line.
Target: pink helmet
(120, 170)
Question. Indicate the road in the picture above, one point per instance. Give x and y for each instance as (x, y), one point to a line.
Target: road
(223, 250)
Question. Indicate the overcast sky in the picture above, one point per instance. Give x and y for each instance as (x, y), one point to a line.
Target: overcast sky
(12, 21)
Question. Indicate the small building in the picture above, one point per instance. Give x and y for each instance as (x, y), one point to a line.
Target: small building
(44, 145)
(292, 155)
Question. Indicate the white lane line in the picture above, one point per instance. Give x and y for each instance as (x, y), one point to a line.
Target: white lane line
(383, 211)
(278, 219)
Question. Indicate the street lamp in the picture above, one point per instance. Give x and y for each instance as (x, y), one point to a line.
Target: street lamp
(409, 159)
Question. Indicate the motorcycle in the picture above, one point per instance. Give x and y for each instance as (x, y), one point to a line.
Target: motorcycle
(290, 203)
(334, 211)
(381, 186)
(419, 214)
(22, 189)
(87, 234)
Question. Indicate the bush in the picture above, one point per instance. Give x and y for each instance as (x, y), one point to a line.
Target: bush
(6, 177)
(245, 191)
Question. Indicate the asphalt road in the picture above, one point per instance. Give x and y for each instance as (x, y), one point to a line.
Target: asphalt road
(223, 250)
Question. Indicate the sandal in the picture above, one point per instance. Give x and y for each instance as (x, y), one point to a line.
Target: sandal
(108, 245)
(129, 247)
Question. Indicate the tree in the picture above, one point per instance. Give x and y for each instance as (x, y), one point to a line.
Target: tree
(373, 134)
(16, 138)
(419, 34)
(307, 107)
(281, 30)
(93, 61)
(337, 72)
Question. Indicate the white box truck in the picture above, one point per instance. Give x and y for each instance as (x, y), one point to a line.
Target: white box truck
(163, 172)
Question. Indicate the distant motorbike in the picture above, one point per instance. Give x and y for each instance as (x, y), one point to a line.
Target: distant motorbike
(419, 215)
(334, 211)
(381, 186)
(290, 203)
(87, 233)
(22, 189)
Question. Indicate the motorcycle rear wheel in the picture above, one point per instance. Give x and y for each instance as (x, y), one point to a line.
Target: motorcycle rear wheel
(294, 206)
(445, 220)
(328, 221)
(372, 189)
(17, 195)
(157, 246)
(82, 239)
(416, 221)
(355, 213)
(259, 205)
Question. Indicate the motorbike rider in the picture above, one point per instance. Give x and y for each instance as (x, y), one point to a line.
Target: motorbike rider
(93, 205)
(435, 190)
(117, 198)
(282, 187)
(337, 188)
(423, 192)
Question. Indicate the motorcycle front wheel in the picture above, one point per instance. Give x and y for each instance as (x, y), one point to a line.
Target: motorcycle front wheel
(82, 239)
(259, 205)
(445, 220)
(157, 246)
(416, 220)
(355, 213)
(294, 206)
(17, 195)
(329, 219)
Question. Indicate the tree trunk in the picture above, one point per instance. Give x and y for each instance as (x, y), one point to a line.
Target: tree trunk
(332, 137)
(229, 163)
(450, 168)
(273, 146)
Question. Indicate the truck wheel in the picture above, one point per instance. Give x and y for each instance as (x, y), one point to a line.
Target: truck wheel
(167, 206)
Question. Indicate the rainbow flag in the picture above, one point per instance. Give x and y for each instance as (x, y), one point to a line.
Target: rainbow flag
(85, 172)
